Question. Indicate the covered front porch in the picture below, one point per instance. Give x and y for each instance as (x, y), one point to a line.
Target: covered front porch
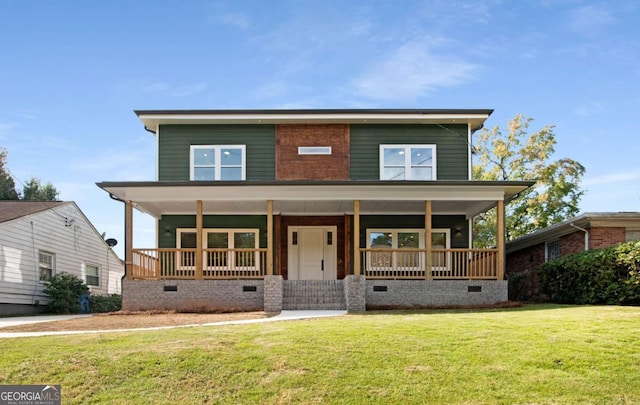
(370, 232)
(392, 264)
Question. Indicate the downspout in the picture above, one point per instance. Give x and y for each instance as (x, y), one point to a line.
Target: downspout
(586, 235)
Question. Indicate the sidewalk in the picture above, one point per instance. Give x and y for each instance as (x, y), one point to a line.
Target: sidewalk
(282, 316)
(25, 320)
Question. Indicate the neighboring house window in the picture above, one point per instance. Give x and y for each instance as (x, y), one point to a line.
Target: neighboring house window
(92, 274)
(218, 162)
(46, 264)
(410, 240)
(632, 235)
(552, 250)
(407, 162)
(224, 248)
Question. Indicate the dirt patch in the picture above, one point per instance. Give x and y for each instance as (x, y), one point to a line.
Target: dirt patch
(132, 320)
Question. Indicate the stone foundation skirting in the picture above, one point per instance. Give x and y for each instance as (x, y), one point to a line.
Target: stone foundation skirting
(268, 294)
(422, 293)
(193, 295)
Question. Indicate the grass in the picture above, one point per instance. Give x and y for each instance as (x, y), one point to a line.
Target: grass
(539, 354)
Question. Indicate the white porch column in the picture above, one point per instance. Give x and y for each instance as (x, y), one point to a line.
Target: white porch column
(356, 237)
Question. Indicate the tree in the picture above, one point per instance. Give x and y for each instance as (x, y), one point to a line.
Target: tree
(520, 156)
(35, 191)
(7, 185)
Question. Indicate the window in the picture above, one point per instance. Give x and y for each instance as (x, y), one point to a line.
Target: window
(314, 150)
(46, 264)
(632, 235)
(225, 248)
(407, 162)
(406, 239)
(218, 162)
(92, 274)
(552, 250)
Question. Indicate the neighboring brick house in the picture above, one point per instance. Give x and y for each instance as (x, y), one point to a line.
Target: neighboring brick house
(592, 230)
(312, 209)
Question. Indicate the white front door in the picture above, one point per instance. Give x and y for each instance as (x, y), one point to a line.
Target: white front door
(312, 253)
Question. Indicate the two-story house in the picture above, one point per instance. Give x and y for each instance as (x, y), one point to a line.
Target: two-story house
(312, 209)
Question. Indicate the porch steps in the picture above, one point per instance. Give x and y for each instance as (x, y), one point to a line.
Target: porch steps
(313, 294)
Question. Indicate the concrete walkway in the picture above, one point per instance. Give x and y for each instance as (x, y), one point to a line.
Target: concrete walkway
(282, 316)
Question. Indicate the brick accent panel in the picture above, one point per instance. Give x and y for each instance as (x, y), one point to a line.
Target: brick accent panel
(273, 293)
(425, 293)
(355, 293)
(291, 166)
(192, 295)
(603, 237)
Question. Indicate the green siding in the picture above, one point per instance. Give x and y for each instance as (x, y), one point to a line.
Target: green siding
(450, 140)
(175, 140)
(169, 223)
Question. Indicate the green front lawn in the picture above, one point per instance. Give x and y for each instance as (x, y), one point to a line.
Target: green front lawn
(531, 355)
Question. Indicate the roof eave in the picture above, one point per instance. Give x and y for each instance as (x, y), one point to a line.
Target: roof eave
(152, 119)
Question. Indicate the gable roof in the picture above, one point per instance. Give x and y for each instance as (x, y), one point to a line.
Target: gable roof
(13, 209)
(629, 220)
(475, 118)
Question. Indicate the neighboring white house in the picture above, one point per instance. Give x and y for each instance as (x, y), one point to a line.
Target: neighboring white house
(39, 239)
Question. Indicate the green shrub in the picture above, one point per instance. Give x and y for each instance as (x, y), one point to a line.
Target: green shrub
(105, 303)
(603, 276)
(64, 291)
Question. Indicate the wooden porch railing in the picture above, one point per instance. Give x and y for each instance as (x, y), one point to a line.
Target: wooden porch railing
(168, 263)
(465, 264)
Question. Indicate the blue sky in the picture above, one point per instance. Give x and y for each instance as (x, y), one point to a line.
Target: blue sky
(72, 72)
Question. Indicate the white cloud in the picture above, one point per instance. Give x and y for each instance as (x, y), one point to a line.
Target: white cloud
(161, 87)
(589, 20)
(585, 110)
(631, 175)
(155, 87)
(189, 90)
(5, 127)
(237, 20)
(413, 70)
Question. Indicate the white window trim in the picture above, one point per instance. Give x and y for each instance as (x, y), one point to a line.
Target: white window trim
(231, 256)
(421, 244)
(407, 162)
(217, 166)
(53, 265)
(99, 275)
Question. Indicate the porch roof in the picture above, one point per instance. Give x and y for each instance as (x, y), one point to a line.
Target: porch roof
(467, 198)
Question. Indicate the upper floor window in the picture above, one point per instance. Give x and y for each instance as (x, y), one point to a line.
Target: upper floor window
(46, 264)
(407, 162)
(218, 162)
